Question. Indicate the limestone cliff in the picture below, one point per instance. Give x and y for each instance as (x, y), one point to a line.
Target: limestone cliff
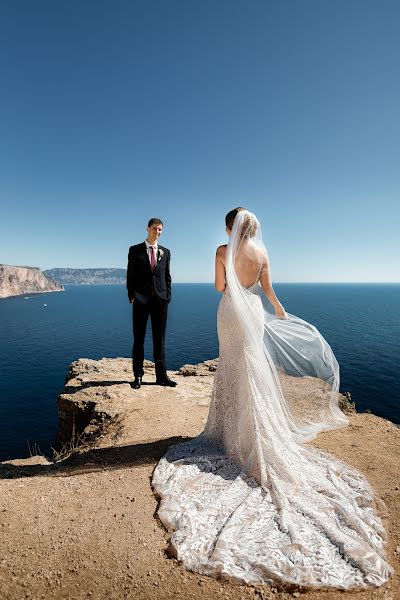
(17, 281)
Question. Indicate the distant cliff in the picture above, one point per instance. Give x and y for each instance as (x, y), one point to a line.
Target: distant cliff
(17, 281)
(88, 276)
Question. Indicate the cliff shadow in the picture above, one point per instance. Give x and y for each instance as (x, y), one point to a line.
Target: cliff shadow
(96, 459)
(88, 384)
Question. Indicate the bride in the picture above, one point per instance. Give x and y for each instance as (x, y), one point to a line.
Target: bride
(248, 500)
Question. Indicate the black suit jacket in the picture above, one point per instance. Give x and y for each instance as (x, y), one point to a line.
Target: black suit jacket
(141, 282)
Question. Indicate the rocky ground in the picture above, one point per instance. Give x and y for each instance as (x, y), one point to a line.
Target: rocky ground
(85, 526)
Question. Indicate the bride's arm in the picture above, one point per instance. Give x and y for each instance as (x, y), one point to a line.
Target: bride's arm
(265, 281)
(220, 282)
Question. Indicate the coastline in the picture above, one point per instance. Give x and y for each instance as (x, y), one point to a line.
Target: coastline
(36, 293)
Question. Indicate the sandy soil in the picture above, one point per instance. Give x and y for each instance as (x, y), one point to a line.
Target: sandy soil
(85, 527)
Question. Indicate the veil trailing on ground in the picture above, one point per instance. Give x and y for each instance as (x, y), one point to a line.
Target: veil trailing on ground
(295, 355)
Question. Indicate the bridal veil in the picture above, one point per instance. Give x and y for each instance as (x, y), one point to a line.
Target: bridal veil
(290, 346)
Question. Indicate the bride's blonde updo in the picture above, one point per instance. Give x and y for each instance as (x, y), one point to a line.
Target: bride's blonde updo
(249, 228)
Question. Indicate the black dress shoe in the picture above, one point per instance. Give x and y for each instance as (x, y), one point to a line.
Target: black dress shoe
(166, 381)
(137, 383)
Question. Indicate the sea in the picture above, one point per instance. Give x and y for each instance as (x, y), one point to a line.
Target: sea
(41, 334)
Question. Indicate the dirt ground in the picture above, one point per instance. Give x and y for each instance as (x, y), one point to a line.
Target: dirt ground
(85, 527)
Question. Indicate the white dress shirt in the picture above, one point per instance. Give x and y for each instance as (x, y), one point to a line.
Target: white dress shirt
(148, 246)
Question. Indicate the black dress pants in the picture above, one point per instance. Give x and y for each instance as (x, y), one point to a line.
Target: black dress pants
(158, 316)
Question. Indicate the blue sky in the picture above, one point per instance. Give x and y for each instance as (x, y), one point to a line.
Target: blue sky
(114, 112)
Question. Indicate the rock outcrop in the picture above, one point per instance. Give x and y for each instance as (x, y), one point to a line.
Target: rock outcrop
(98, 393)
(88, 276)
(18, 281)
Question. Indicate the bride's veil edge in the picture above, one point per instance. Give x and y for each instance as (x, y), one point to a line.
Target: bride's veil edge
(292, 348)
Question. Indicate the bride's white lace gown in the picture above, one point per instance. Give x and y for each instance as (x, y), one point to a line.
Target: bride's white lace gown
(247, 502)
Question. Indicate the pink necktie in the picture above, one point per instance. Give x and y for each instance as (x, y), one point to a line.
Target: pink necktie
(152, 258)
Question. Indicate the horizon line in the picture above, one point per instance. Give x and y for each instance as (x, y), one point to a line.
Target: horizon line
(273, 283)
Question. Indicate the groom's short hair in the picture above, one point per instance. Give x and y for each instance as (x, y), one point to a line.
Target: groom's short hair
(155, 221)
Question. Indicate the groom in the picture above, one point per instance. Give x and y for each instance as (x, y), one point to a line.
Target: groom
(149, 290)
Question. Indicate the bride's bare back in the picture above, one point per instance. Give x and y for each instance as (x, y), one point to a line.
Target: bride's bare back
(250, 265)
